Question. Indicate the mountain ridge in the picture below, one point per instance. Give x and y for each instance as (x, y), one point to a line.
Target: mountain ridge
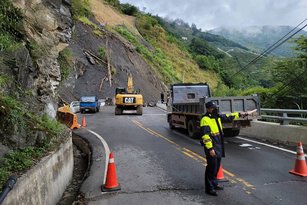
(259, 38)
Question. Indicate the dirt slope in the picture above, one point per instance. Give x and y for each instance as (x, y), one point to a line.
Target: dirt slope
(106, 15)
(86, 78)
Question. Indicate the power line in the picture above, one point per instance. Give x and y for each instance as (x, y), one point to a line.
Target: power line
(274, 46)
(294, 80)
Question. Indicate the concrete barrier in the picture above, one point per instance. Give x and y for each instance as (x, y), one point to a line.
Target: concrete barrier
(65, 116)
(289, 134)
(45, 183)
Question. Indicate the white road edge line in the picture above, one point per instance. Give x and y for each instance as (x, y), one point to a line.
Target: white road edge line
(161, 109)
(107, 152)
(267, 145)
(253, 141)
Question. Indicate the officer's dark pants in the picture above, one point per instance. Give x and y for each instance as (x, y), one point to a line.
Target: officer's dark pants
(213, 164)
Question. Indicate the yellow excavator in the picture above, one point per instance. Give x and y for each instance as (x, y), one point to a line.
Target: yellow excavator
(128, 99)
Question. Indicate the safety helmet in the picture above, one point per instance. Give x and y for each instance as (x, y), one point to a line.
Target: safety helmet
(211, 104)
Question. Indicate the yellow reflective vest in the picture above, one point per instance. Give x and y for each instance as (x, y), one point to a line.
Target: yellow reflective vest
(211, 135)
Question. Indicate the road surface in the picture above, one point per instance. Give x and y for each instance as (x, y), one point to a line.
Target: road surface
(156, 165)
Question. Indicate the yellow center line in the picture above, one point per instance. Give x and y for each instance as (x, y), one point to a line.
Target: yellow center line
(189, 155)
(196, 156)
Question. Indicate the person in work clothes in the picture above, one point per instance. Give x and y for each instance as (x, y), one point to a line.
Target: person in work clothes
(212, 139)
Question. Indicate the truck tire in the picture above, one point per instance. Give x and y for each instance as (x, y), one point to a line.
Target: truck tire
(169, 120)
(192, 131)
(139, 110)
(171, 126)
(118, 111)
(229, 132)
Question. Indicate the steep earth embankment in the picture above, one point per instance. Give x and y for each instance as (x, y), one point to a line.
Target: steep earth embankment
(92, 79)
(89, 79)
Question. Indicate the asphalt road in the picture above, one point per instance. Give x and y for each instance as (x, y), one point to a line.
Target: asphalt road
(156, 165)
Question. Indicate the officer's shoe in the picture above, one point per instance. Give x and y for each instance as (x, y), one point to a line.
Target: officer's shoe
(219, 188)
(211, 192)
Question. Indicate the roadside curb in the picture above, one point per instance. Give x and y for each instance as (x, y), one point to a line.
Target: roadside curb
(91, 187)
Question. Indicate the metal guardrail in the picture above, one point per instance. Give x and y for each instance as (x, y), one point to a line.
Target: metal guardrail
(284, 119)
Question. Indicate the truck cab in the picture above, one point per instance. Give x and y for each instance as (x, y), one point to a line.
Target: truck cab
(89, 104)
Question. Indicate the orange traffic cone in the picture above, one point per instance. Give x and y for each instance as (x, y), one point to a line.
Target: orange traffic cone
(300, 163)
(83, 124)
(220, 175)
(111, 180)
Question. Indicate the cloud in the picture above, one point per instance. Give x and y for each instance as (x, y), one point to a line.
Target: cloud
(208, 14)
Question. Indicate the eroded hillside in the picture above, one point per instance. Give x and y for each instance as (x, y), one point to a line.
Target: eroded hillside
(129, 45)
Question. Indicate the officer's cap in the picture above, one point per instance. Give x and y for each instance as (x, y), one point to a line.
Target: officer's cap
(211, 104)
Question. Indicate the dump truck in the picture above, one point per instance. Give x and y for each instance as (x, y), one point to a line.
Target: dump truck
(128, 98)
(187, 107)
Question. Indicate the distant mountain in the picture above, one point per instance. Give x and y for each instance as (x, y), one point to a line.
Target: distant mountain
(183, 30)
(259, 38)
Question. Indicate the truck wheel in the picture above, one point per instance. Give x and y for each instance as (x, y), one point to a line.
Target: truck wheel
(171, 126)
(192, 132)
(118, 111)
(231, 133)
(139, 110)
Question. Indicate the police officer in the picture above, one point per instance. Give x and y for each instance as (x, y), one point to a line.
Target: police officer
(212, 139)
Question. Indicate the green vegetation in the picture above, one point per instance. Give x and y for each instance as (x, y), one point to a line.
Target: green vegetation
(10, 20)
(82, 11)
(126, 8)
(66, 62)
(14, 113)
(8, 43)
(183, 53)
(123, 31)
(4, 80)
(102, 53)
(16, 119)
(81, 8)
(88, 22)
(258, 38)
(129, 9)
(37, 51)
(18, 161)
(114, 3)
(290, 76)
(185, 68)
(200, 47)
(156, 58)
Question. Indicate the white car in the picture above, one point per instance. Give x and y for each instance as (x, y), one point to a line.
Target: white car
(75, 106)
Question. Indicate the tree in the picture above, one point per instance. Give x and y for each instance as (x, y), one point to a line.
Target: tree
(129, 9)
(291, 73)
(195, 30)
(201, 47)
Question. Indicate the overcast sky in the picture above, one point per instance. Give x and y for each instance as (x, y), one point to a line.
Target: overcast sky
(209, 14)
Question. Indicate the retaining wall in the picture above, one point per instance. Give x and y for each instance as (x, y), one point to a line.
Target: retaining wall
(45, 183)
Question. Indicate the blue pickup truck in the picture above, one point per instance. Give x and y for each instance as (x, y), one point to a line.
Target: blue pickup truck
(89, 104)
